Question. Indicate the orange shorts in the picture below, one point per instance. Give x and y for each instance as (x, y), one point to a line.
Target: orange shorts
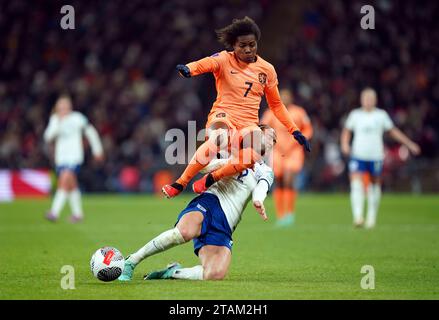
(236, 131)
(292, 161)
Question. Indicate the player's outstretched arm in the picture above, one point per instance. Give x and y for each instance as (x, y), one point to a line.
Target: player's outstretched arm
(265, 177)
(258, 197)
(95, 142)
(282, 114)
(208, 64)
(399, 136)
(345, 139)
(183, 70)
(52, 128)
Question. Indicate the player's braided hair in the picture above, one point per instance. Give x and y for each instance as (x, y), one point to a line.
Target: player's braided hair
(239, 27)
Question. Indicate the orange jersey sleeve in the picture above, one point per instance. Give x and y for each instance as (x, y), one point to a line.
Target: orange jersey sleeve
(209, 64)
(279, 110)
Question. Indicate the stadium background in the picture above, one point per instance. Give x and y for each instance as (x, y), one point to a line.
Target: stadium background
(119, 65)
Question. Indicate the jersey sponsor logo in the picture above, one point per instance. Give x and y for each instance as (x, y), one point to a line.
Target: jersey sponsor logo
(262, 78)
(199, 206)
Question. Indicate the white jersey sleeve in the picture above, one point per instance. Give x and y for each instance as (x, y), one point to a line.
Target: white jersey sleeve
(350, 121)
(265, 178)
(52, 128)
(81, 119)
(95, 142)
(264, 173)
(260, 192)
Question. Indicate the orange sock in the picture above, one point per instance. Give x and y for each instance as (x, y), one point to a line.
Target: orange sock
(278, 195)
(247, 158)
(206, 152)
(290, 196)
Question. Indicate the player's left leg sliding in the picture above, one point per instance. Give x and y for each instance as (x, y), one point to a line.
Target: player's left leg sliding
(176, 271)
(215, 261)
(194, 273)
(373, 201)
(162, 242)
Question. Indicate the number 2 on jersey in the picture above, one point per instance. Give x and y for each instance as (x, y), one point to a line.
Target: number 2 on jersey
(250, 84)
(242, 175)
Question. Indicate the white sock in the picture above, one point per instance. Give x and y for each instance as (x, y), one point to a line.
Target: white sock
(357, 199)
(194, 273)
(58, 202)
(373, 202)
(162, 242)
(76, 203)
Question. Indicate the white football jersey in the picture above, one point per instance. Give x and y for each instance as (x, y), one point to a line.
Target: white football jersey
(368, 129)
(235, 192)
(68, 138)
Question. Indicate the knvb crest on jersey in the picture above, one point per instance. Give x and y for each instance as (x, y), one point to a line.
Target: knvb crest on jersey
(262, 78)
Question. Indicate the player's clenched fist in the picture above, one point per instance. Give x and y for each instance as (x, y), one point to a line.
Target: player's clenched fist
(183, 70)
(302, 140)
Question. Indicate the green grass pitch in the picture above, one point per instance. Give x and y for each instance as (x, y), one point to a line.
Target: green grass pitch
(319, 258)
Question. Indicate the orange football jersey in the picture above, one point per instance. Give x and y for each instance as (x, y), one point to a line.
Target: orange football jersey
(240, 88)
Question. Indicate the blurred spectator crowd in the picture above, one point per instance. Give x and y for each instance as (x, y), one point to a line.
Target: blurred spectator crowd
(119, 66)
(332, 58)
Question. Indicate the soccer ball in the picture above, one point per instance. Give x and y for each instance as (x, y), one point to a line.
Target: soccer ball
(107, 264)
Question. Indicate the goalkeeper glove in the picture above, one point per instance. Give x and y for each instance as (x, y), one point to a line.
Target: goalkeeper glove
(302, 140)
(184, 70)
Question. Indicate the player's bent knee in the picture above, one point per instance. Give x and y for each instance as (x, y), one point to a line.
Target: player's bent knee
(190, 225)
(186, 233)
(214, 274)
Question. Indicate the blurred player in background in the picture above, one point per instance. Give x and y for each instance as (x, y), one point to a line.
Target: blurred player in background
(368, 125)
(209, 220)
(66, 128)
(288, 158)
(242, 78)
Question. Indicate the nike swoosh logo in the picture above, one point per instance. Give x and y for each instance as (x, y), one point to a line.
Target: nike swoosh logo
(234, 72)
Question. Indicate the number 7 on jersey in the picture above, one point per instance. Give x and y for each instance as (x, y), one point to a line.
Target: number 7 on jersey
(250, 84)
